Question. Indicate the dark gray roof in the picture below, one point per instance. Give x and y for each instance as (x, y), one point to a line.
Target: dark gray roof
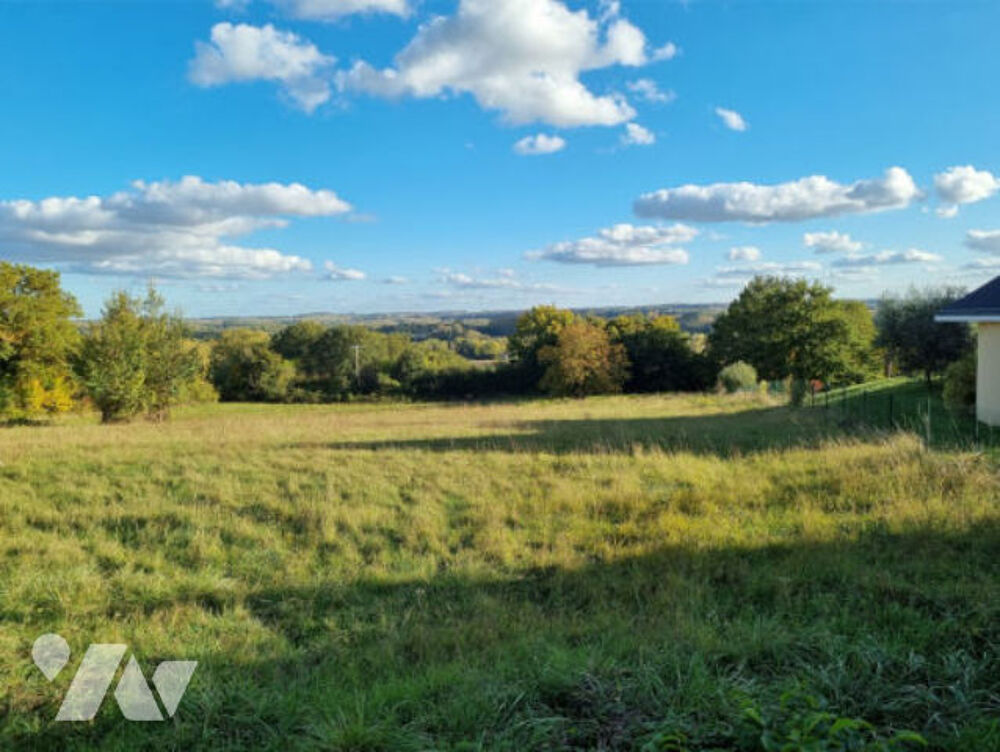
(984, 302)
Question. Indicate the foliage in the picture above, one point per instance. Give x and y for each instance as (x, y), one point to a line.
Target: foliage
(537, 329)
(297, 341)
(738, 377)
(37, 341)
(662, 356)
(113, 359)
(137, 358)
(913, 341)
(583, 361)
(792, 328)
(245, 368)
(172, 364)
(960, 382)
(802, 723)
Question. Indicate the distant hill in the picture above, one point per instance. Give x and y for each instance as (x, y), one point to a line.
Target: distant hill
(692, 318)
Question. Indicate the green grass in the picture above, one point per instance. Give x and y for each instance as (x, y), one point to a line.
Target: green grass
(599, 574)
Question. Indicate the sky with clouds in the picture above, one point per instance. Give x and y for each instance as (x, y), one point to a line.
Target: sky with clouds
(290, 156)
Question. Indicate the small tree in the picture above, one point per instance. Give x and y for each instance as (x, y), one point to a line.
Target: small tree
(137, 358)
(113, 359)
(583, 361)
(171, 362)
(738, 377)
(960, 382)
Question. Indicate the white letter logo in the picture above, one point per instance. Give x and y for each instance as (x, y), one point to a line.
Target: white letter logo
(97, 670)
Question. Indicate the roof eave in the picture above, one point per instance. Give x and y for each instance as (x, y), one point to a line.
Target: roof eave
(958, 318)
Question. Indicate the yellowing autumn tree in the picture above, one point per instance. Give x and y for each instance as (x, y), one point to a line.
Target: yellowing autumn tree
(583, 361)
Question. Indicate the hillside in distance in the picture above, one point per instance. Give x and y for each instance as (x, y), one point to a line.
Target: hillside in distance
(693, 317)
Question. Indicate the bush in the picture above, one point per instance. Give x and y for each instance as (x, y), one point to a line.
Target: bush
(960, 382)
(738, 377)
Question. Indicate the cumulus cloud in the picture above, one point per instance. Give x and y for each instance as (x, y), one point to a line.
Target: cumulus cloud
(983, 240)
(331, 10)
(887, 258)
(807, 198)
(623, 245)
(731, 119)
(396, 280)
(522, 58)
(538, 144)
(831, 242)
(648, 90)
(636, 135)
(340, 274)
(167, 228)
(242, 53)
(963, 185)
(744, 253)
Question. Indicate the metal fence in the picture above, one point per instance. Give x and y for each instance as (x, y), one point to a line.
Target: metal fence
(915, 409)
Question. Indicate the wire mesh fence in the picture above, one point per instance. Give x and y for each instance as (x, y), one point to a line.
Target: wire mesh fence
(914, 408)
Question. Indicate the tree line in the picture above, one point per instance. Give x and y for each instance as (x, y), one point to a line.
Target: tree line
(139, 358)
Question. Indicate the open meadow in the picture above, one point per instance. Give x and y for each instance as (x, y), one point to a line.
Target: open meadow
(652, 572)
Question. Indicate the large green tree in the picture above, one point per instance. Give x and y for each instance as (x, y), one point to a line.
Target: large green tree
(913, 341)
(793, 328)
(37, 340)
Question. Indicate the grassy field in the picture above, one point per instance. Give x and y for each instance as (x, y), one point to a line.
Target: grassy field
(617, 573)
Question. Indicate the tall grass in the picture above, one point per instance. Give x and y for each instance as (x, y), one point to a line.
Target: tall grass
(599, 574)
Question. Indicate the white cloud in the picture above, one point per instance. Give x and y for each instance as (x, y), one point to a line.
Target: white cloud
(963, 185)
(636, 135)
(731, 119)
(726, 276)
(744, 253)
(243, 53)
(983, 240)
(168, 229)
(990, 265)
(340, 274)
(885, 258)
(503, 281)
(540, 143)
(522, 58)
(235, 5)
(623, 245)
(331, 10)
(648, 90)
(807, 198)
(396, 280)
(831, 242)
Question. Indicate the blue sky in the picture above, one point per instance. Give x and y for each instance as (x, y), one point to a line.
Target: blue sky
(288, 156)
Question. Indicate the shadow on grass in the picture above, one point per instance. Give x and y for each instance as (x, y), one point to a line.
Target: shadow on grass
(900, 629)
(723, 434)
